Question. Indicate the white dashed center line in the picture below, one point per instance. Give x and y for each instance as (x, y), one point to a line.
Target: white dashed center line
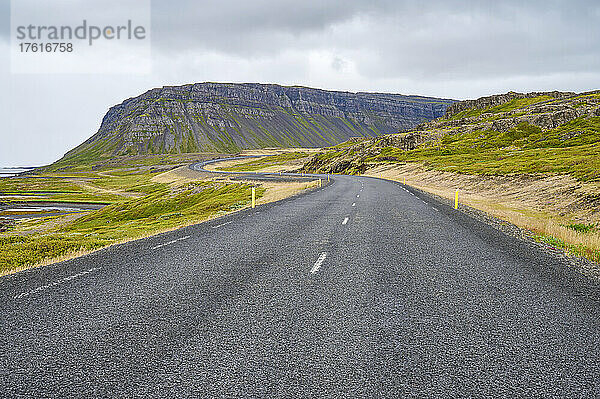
(357, 195)
(354, 204)
(345, 221)
(63, 280)
(222, 224)
(318, 263)
(170, 242)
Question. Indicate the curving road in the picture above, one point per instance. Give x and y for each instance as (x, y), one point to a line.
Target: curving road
(359, 289)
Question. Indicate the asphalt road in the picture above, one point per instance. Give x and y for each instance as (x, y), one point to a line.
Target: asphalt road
(358, 289)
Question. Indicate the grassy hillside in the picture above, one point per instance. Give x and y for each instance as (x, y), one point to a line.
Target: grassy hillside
(467, 143)
(570, 149)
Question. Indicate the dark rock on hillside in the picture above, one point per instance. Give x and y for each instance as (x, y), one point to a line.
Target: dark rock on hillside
(499, 99)
(217, 117)
(575, 115)
(560, 108)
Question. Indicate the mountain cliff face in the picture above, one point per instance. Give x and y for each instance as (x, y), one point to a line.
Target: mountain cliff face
(217, 117)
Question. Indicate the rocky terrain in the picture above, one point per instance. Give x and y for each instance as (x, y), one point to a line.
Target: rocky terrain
(503, 112)
(218, 117)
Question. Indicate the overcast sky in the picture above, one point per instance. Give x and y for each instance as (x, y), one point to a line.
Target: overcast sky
(452, 49)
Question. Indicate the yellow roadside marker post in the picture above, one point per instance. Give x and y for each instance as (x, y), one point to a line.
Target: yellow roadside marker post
(320, 183)
(253, 197)
(404, 180)
(328, 177)
(456, 199)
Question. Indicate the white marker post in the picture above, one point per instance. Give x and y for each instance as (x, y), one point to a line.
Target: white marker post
(253, 197)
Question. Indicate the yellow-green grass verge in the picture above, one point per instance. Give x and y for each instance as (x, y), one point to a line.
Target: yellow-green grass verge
(160, 211)
(579, 243)
(584, 243)
(264, 162)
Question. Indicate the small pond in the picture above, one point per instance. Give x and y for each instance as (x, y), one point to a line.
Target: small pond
(36, 209)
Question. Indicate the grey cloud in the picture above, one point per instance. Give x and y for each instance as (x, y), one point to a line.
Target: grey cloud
(436, 39)
(250, 27)
(456, 49)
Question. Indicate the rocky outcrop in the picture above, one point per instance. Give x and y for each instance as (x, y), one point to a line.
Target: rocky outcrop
(499, 99)
(561, 108)
(209, 117)
(574, 115)
(405, 141)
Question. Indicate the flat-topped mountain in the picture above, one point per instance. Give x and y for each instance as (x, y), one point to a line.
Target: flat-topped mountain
(228, 117)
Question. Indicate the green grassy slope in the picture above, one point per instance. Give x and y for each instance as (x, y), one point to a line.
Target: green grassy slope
(448, 144)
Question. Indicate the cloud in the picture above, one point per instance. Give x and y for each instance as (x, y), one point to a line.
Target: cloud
(453, 49)
(386, 39)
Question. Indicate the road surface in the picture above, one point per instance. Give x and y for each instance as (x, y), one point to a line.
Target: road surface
(361, 288)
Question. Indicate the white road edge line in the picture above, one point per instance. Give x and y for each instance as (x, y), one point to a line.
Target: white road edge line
(345, 221)
(318, 263)
(63, 280)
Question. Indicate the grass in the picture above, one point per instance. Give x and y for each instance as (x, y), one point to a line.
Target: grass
(582, 227)
(132, 182)
(32, 185)
(264, 162)
(569, 149)
(581, 162)
(96, 162)
(161, 210)
(67, 189)
(577, 243)
(581, 240)
(136, 207)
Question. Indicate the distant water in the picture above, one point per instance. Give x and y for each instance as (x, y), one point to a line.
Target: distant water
(12, 171)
